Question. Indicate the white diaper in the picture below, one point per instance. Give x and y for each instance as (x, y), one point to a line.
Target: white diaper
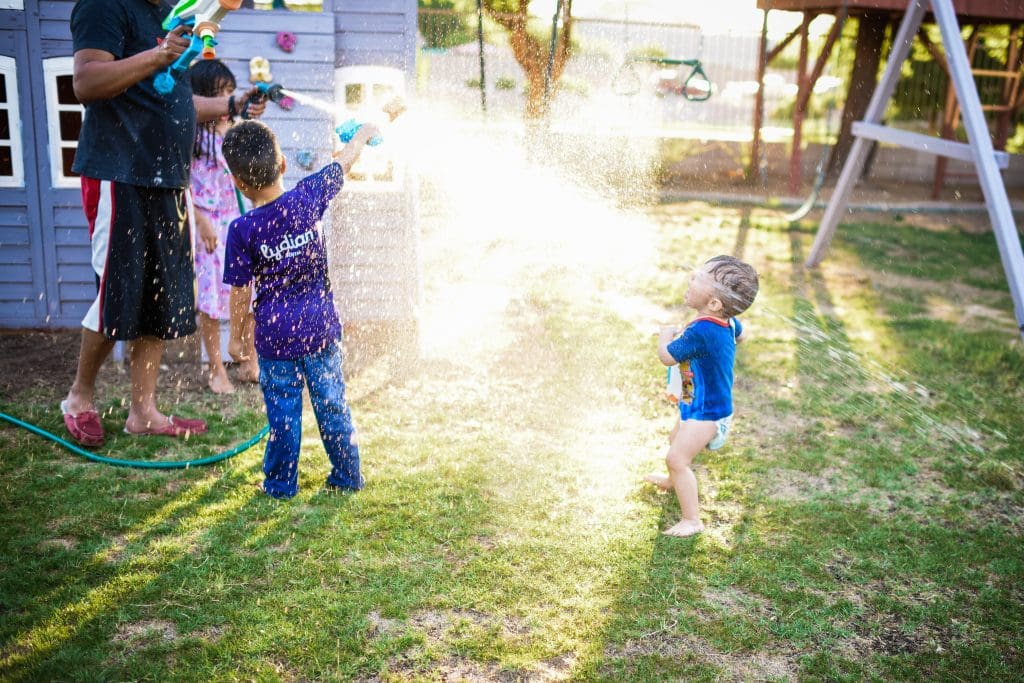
(723, 426)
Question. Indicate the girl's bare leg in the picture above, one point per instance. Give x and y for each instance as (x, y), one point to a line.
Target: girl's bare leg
(218, 379)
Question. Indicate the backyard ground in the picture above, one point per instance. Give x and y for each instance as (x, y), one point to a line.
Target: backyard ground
(865, 520)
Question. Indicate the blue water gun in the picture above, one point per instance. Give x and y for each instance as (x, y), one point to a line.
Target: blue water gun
(203, 18)
(347, 130)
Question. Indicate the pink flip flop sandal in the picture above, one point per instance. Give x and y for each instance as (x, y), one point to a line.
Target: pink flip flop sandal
(169, 429)
(193, 425)
(85, 427)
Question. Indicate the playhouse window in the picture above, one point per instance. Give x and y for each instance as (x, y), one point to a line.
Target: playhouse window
(12, 170)
(63, 118)
(12, 4)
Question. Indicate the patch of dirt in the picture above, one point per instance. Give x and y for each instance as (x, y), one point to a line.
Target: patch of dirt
(438, 625)
(116, 551)
(142, 634)
(734, 666)
(731, 600)
(886, 634)
(210, 634)
(62, 543)
(463, 670)
(52, 357)
(379, 626)
(59, 523)
(786, 484)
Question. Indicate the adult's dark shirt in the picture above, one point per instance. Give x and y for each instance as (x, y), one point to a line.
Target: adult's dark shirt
(139, 137)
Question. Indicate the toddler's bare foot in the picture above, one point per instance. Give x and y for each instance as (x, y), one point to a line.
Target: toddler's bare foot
(659, 480)
(685, 528)
(219, 383)
(249, 371)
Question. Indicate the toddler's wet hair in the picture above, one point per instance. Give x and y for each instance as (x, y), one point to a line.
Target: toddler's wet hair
(251, 150)
(736, 283)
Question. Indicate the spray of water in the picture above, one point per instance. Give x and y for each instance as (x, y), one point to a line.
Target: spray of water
(311, 101)
(510, 210)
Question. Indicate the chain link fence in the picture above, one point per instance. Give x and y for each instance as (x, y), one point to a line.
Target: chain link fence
(614, 82)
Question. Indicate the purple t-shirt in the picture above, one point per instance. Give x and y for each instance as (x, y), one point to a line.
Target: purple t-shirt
(281, 246)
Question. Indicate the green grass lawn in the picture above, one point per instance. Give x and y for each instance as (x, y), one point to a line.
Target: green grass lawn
(865, 521)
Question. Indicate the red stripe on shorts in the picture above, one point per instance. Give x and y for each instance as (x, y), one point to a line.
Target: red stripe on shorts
(90, 201)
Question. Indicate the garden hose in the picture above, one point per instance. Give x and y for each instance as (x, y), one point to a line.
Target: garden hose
(141, 464)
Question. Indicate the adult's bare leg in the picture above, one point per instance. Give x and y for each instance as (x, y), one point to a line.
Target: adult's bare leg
(143, 414)
(93, 352)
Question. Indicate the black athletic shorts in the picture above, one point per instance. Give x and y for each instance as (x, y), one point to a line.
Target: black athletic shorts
(142, 254)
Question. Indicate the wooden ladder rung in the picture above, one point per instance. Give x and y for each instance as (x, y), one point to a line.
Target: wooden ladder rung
(996, 107)
(1012, 75)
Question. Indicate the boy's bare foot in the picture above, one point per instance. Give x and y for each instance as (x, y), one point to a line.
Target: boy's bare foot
(685, 528)
(219, 383)
(659, 480)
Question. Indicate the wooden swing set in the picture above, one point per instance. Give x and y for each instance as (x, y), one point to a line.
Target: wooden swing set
(865, 125)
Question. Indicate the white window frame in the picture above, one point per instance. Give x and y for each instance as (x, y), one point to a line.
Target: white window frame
(8, 67)
(12, 4)
(52, 68)
(369, 109)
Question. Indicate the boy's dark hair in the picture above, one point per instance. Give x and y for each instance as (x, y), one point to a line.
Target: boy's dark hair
(736, 283)
(251, 150)
(209, 77)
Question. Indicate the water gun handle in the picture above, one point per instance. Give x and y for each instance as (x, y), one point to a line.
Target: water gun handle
(347, 130)
(164, 81)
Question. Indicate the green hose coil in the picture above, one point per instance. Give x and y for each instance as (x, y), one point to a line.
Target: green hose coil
(141, 464)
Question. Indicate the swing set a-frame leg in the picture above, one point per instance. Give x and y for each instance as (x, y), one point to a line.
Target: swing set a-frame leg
(979, 148)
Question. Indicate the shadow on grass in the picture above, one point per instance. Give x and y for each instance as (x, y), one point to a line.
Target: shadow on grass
(259, 586)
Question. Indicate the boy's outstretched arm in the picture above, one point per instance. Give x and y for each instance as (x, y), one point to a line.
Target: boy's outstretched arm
(238, 302)
(349, 154)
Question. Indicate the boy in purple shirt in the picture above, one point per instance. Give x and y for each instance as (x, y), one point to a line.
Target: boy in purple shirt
(279, 244)
(719, 290)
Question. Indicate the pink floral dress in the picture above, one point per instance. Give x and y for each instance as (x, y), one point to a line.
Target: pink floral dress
(214, 194)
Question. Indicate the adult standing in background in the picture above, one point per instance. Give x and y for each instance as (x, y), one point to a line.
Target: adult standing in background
(134, 154)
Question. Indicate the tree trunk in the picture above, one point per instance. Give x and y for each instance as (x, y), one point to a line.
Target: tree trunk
(863, 80)
(531, 53)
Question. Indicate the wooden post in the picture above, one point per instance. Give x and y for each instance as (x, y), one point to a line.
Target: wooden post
(762, 65)
(796, 153)
(950, 116)
(1010, 89)
(863, 80)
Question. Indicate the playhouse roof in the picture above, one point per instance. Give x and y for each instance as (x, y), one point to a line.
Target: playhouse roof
(969, 11)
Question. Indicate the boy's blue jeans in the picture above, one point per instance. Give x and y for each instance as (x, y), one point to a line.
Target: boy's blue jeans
(281, 381)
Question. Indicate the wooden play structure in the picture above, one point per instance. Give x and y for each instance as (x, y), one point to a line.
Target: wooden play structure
(872, 18)
(978, 150)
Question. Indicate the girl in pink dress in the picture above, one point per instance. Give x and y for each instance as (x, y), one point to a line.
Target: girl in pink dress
(217, 203)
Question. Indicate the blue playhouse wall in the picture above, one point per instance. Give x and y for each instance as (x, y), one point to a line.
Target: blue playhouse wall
(46, 280)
